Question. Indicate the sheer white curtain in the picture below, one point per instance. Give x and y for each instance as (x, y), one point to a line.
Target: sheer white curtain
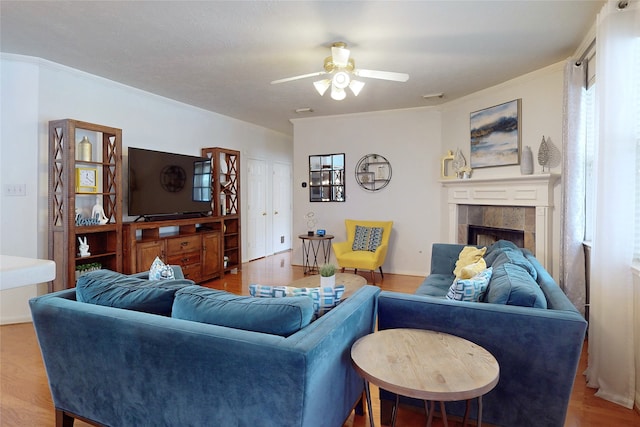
(572, 277)
(611, 366)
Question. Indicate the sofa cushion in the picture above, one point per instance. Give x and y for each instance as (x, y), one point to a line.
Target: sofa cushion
(367, 238)
(324, 299)
(472, 289)
(159, 270)
(105, 287)
(496, 249)
(512, 285)
(515, 256)
(277, 316)
(435, 285)
(468, 255)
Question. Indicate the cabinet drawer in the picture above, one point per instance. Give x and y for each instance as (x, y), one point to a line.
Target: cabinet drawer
(192, 272)
(183, 244)
(184, 259)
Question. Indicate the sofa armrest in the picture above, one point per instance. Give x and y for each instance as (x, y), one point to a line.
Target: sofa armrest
(538, 351)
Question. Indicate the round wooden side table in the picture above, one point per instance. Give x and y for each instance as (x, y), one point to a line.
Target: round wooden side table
(427, 365)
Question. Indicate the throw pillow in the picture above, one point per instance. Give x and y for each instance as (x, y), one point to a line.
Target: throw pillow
(512, 285)
(367, 238)
(159, 270)
(472, 270)
(105, 287)
(511, 256)
(281, 316)
(324, 299)
(496, 249)
(468, 255)
(472, 289)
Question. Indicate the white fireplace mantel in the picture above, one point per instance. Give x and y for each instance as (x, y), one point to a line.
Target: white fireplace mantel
(523, 190)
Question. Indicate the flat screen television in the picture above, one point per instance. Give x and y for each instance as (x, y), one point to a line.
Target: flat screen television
(168, 184)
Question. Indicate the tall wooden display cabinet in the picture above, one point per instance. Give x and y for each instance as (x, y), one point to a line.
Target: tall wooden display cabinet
(225, 184)
(85, 198)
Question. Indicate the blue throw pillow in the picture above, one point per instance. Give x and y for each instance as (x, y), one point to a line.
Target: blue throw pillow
(473, 289)
(512, 285)
(496, 249)
(278, 316)
(511, 256)
(324, 299)
(105, 287)
(367, 238)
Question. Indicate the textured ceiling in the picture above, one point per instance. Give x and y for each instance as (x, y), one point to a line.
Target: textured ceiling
(221, 55)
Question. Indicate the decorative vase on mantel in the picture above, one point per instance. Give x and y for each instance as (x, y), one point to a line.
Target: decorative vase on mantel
(526, 162)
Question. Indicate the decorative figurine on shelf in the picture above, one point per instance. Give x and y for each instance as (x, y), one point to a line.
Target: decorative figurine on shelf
(446, 166)
(311, 222)
(97, 213)
(458, 163)
(548, 155)
(84, 247)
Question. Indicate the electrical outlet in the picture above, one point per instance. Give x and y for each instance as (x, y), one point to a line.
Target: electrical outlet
(15, 189)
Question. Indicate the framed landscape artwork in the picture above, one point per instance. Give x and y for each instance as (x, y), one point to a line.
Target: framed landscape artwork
(495, 135)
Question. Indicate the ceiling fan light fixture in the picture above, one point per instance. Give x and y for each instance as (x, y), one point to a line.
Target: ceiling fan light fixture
(322, 85)
(356, 86)
(341, 79)
(338, 94)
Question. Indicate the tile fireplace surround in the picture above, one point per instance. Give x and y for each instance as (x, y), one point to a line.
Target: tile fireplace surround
(517, 203)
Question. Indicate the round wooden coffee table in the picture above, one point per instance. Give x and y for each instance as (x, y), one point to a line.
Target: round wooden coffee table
(427, 365)
(351, 282)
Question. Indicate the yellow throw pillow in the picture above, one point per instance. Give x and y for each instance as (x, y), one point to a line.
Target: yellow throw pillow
(468, 255)
(472, 270)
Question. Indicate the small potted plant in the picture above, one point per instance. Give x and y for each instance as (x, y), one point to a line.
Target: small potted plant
(328, 276)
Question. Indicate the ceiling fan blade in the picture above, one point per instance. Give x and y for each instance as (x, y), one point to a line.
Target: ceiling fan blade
(383, 75)
(340, 56)
(303, 76)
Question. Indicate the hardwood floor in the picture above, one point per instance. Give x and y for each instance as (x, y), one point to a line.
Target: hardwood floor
(25, 399)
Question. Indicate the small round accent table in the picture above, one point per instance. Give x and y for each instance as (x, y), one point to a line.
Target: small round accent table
(427, 365)
(311, 246)
(351, 282)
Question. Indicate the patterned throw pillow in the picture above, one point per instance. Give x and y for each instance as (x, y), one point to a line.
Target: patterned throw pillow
(367, 238)
(159, 270)
(324, 299)
(470, 289)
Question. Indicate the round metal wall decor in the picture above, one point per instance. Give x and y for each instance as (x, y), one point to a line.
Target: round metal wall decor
(373, 172)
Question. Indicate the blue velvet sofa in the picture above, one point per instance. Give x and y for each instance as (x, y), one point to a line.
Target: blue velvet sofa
(118, 367)
(538, 349)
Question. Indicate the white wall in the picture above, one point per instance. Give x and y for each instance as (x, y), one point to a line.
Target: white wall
(35, 91)
(414, 141)
(410, 140)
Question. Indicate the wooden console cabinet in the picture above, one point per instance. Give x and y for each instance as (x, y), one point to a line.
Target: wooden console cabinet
(195, 244)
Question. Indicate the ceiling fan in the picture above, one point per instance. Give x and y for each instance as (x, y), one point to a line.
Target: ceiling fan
(340, 69)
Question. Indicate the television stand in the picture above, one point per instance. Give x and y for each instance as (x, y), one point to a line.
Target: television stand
(195, 244)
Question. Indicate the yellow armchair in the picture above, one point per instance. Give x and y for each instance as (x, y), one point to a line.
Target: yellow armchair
(363, 259)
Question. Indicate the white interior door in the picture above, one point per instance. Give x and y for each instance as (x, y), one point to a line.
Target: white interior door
(281, 207)
(256, 209)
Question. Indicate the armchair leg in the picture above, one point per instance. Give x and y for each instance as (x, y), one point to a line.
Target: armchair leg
(373, 277)
(381, 273)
